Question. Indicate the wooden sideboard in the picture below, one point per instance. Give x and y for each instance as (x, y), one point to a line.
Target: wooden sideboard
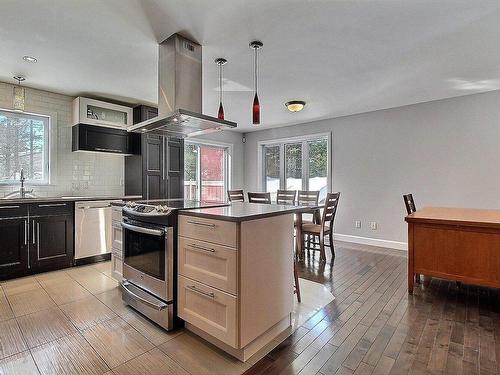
(456, 244)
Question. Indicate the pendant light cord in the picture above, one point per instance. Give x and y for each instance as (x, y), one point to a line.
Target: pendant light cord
(220, 83)
(255, 70)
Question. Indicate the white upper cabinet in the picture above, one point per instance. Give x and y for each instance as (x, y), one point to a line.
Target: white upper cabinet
(99, 113)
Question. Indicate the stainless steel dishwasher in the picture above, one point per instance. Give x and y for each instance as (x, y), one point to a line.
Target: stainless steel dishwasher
(93, 228)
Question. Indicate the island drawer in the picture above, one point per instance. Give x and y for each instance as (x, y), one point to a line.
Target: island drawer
(208, 309)
(211, 264)
(215, 231)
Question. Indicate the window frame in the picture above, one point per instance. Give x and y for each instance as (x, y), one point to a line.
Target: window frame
(48, 152)
(281, 142)
(228, 152)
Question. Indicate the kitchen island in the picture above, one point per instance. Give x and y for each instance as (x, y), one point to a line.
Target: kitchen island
(235, 275)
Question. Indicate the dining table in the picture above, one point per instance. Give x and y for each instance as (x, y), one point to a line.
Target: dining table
(305, 208)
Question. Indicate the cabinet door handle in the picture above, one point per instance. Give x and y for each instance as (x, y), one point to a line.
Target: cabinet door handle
(33, 232)
(196, 247)
(38, 240)
(107, 149)
(28, 248)
(195, 289)
(26, 229)
(202, 224)
(163, 160)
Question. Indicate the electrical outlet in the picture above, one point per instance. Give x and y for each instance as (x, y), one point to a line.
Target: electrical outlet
(373, 225)
(357, 224)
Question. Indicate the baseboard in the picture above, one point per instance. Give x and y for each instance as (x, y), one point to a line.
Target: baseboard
(371, 241)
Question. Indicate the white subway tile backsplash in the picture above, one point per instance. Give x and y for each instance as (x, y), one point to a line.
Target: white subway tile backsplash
(82, 173)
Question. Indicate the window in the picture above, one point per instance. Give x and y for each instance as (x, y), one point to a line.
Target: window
(205, 171)
(296, 164)
(24, 143)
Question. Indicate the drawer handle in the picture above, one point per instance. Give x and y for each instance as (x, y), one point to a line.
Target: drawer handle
(7, 207)
(202, 224)
(195, 289)
(196, 247)
(52, 205)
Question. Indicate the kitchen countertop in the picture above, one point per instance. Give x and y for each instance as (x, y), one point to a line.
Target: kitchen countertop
(240, 211)
(65, 199)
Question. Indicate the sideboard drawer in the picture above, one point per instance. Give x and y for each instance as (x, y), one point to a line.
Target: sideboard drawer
(208, 309)
(214, 265)
(215, 231)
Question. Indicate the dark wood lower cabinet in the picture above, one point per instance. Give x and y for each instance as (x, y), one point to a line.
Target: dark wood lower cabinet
(35, 239)
(52, 244)
(13, 247)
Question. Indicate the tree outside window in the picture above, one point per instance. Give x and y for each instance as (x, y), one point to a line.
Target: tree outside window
(23, 144)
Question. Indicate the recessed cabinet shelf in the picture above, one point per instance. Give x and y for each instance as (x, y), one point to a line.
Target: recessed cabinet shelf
(95, 112)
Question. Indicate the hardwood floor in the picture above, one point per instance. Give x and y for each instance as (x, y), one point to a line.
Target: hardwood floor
(374, 327)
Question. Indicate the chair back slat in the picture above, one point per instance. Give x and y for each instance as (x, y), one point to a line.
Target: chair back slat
(236, 195)
(409, 203)
(286, 197)
(259, 198)
(330, 209)
(308, 197)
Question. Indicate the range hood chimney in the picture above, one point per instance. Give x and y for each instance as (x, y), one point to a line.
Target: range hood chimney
(180, 92)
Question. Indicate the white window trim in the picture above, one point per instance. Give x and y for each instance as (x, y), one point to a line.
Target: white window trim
(300, 138)
(228, 176)
(51, 152)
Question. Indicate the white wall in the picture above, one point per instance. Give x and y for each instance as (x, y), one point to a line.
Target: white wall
(446, 152)
(72, 173)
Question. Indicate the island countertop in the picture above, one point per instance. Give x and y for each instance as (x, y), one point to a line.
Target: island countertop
(241, 211)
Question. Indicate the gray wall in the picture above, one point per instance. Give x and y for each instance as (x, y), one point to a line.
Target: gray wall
(445, 152)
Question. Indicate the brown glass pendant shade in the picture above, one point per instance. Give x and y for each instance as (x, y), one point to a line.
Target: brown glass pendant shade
(220, 61)
(256, 45)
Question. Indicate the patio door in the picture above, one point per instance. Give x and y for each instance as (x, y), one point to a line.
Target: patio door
(205, 172)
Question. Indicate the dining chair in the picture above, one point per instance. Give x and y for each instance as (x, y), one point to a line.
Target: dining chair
(411, 208)
(305, 197)
(236, 195)
(409, 203)
(286, 197)
(296, 278)
(259, 198)
(325, 227)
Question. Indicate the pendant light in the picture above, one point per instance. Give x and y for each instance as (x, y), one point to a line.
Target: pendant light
(18, 98)
(256, 45)
(220, 61)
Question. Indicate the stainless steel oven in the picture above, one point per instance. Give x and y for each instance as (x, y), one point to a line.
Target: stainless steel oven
(148, 270)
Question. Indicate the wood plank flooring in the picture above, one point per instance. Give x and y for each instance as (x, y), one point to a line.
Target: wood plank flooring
(374, 327)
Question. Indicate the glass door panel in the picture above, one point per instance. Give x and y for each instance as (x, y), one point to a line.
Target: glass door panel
(318, 167)
(272, 169)
(293, 166)
(212, 173)
(191, 171)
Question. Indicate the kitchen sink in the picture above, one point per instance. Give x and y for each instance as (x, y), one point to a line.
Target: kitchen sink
(17, 195)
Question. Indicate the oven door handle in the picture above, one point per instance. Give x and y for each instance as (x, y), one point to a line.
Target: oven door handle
(159, 307)
(135, 228)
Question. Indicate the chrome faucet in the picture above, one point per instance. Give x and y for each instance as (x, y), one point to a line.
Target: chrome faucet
(22, 190)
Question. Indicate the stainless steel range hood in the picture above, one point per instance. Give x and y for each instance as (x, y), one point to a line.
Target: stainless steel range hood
(180, 92)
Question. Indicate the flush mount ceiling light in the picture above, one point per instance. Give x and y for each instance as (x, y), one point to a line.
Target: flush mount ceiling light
(220, 61)
(295, 105)
(18, 97)
(256, 45)
(30, 59)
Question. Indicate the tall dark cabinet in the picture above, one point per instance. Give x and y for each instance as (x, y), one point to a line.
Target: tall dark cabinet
(158, 172)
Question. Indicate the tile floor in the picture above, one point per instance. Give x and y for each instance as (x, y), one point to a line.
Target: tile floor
(74, 322)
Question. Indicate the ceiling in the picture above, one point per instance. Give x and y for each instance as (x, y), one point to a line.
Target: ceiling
(341, 57)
